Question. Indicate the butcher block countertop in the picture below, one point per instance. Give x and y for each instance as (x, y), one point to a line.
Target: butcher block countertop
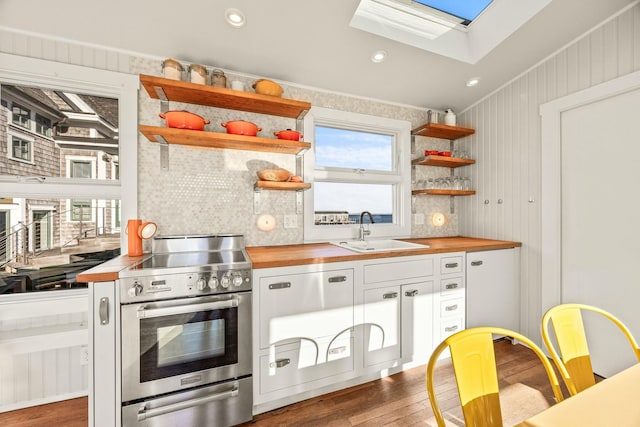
(313, 253)
(108, 271)
(317, 253)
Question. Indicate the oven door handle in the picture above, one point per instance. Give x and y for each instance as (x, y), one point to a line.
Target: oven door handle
(146, 413)
(145, 312)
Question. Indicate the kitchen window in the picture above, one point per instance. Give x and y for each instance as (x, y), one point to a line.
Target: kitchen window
(76, 169)
(358, 163)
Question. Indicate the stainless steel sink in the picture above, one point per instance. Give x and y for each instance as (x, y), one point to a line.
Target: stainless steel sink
(383, 245)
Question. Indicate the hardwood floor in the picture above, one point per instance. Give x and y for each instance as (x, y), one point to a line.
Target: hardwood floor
(398, 400)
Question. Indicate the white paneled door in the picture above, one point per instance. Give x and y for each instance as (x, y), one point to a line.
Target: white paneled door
(600, 220)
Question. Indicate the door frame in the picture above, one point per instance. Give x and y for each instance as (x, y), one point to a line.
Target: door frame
(551, 188)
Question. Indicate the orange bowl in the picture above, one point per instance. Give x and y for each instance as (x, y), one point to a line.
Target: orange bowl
(280, 175)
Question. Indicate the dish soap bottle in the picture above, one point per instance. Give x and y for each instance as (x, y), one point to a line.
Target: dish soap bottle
(449, 117)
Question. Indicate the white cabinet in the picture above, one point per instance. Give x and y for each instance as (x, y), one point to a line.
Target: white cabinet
(381, 325)
(397, 310)
(417, 321)
(450, 300)
(493, 291)
(303, 326)
(311, 305)
(104, 384)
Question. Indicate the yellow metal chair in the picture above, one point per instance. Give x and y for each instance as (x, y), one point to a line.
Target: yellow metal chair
(474, 365)
(574, 361)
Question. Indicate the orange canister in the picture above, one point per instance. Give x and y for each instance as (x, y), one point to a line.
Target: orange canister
(135, 241)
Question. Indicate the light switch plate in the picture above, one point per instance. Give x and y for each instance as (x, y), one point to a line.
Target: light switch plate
(290, 221)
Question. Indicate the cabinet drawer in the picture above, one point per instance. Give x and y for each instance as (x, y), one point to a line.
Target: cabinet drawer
(452, 264)
(295, 364)
(385, 272)
(449, 327)
(311, 305)
(452, 307)
(452, 285)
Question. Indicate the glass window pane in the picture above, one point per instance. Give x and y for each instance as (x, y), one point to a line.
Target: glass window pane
(20, 116)
(333, 199)
(66, 125)
(343, 148)
(80, 169)
(468, 9)
(43, 125)
(34, 229)
(21, 149)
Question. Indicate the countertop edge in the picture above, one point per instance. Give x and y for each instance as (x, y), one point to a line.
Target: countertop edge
(312, 253)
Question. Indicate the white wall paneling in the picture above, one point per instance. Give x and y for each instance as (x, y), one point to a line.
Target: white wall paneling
(507, 144)
(41, 340)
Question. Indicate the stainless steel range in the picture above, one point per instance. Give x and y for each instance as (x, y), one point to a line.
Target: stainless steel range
(186, 334)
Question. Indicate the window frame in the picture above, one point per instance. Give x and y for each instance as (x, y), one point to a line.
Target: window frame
(399, 177)
(11, 134)
(24, 71)
(20, 123)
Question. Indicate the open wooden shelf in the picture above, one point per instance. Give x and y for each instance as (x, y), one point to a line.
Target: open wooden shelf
(437, 130)
(439, 192)
(198, 138)
(443, 161)
(193, 93)
(274, 185)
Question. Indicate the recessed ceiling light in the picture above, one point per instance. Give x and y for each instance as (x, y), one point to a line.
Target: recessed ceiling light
(379, 56)
(235, 18)
(473, 81)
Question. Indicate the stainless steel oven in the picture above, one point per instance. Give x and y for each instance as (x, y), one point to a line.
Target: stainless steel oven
(186, 334)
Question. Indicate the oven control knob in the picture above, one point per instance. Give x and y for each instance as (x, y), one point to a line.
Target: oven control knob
(201, 284)
(135, 289)
(213, 282)
(237, 279)
(225, 281)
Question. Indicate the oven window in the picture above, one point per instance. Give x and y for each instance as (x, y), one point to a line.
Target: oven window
(190, 342)
(183, 343)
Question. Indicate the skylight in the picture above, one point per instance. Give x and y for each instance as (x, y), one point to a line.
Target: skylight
(443, 26)
(467, 10)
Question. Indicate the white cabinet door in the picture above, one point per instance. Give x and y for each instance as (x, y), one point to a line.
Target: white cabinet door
(310, 305)
(493, 289)
(381, 328)
(417, 321)
(104, 404)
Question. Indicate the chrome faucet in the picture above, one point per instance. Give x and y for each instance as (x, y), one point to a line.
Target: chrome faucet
(362, 232)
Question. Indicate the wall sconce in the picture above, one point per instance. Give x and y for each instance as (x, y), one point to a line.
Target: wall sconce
(438, 219)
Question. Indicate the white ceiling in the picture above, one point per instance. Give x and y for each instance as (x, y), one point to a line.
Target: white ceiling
(308, 42)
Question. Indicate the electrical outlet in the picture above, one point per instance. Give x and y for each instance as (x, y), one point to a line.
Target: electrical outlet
(290, 221)
(419, 219)
(84, 355)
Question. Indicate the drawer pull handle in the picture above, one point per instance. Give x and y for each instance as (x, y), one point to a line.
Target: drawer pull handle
(476, 263)
(280, 285)
(390, 295)
(280, 363)
(451, 265)
(338, 350)
(336, 279)
(411, 293)
(451, 286)
(453, 307)
(451, 328)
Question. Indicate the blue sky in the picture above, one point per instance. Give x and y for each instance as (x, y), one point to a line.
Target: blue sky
(467, 9)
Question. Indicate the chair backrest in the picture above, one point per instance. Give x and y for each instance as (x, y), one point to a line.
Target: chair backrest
(574, 360)
(474, 365)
